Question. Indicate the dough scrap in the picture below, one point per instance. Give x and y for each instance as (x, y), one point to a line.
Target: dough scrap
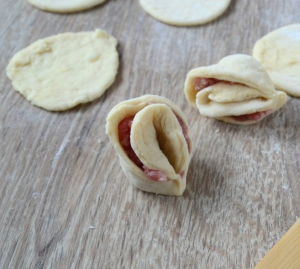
(160, 140)
(237, 90)
(185, 13)
(62, 71)
(279, 53)
(65, 6)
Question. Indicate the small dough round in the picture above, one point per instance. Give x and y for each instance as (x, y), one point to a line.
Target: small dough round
(279, 53)
(62, 71)
(65, 6)
(185, 13)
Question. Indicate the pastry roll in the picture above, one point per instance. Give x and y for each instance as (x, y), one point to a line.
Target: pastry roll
(237, 90)
(151, 137)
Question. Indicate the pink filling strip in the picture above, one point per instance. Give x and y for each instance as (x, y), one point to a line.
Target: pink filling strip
(124, 130)
(202, 83)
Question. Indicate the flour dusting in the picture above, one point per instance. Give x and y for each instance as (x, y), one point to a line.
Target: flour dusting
(61, 149)
(277, 148)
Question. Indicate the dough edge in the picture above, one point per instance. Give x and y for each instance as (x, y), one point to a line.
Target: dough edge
(69, 8)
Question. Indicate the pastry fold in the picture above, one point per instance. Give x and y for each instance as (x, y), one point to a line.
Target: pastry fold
(237, 90)
(151, 137)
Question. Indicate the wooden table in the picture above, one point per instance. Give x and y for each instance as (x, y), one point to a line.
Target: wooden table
(64, 201)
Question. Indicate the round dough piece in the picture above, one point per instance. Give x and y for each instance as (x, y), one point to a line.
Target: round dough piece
(62, 71)
(185, 13)
(65, 6)
(279, 53)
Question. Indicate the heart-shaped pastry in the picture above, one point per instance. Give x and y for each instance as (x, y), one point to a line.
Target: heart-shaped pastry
(152, 140)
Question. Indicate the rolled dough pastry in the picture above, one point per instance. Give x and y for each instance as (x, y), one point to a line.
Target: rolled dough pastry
(62, 71)
(185, 12)
(65, 6)
(236, 90)
(279, 53)
(151, 137)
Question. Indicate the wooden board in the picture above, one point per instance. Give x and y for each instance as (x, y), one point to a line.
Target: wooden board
(64, 201)
(285, 254)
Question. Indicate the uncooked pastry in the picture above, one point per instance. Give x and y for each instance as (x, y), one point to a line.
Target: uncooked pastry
(236, 90)
(279, 53)
(185, 12)
(62, 71)
(65, 6)
(151, 137)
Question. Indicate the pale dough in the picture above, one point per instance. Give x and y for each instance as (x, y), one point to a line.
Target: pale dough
(243, 87)
(185, 12)
(65, 6)
(62, 71)
(279, 53)
(156, 138)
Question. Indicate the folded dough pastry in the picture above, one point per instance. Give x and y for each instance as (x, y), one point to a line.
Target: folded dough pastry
(237, 90)
(152, 140)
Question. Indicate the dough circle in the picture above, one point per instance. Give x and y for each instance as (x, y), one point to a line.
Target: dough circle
(62, 71)
(64, 6)
(279, 53)
(185, 13)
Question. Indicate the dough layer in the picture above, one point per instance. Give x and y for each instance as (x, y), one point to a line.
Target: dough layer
(65, 6)
(62, 71)
(279, 53)
(185, 13)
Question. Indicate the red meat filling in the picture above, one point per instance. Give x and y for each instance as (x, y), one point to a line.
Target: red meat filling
(155, 175)
(252, 117)
(184, 132)
(124, 130)
(202, 83)
(124, 137)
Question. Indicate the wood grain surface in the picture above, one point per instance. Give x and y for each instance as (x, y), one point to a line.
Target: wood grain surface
(285, 254)
(64, 201)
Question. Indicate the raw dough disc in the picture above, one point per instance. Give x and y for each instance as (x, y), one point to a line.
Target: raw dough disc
(62, 71)
(279, 53)
(65, 6)
(185, 13)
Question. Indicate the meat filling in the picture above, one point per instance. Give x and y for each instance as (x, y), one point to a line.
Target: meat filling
(124, 130)
(124, 137)
(252, 117)
(184, 132)
(202, 83)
